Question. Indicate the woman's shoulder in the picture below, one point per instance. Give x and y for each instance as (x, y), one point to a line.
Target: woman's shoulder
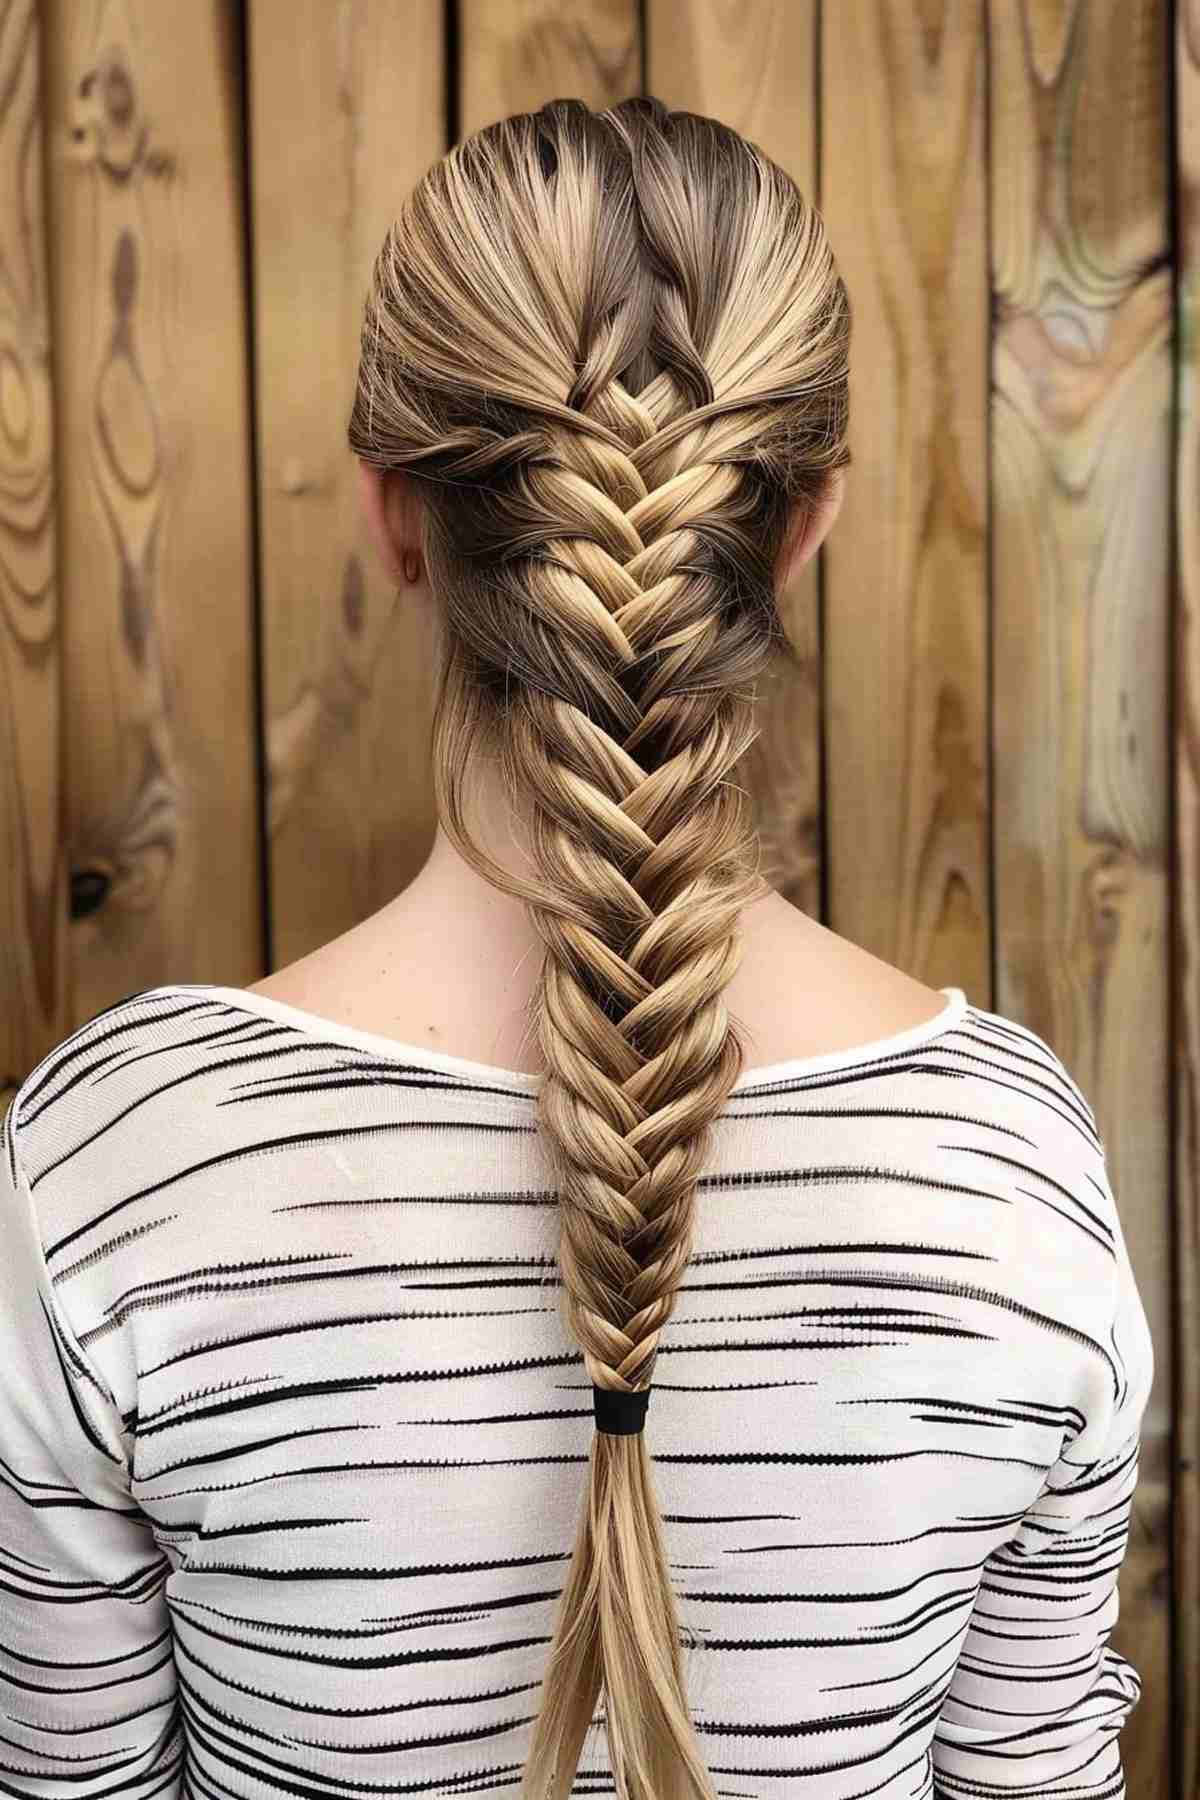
(802, 990)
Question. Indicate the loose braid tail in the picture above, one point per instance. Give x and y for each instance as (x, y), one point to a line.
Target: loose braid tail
(676, 382)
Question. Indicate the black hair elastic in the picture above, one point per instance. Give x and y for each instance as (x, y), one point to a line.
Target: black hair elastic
(618, 1413)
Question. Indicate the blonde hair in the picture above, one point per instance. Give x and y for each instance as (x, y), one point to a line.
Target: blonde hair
(610, 349)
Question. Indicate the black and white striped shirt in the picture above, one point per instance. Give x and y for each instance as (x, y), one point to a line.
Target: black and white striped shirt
(293, 1438)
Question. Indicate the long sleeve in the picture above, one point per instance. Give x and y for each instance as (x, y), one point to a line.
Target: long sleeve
(87, 1676)
(1038, 1696)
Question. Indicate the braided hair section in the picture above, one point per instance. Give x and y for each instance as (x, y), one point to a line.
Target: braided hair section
(611, 348)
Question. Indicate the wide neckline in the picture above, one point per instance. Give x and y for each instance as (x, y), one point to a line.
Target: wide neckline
(396, 1050)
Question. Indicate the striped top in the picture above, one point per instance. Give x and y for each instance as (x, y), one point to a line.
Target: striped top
(293, 1438)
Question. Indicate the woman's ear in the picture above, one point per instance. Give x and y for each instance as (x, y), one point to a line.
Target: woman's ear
(808, 531)
(392, 513)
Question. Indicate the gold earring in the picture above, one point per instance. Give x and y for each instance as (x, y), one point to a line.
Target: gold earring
(412, 566)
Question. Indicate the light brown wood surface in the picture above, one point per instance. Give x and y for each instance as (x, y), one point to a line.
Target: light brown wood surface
(346, 112)
(903, 191)
(1081, 444)
(144, 176)
(1186, 986)
(515, 57)
(33, 873)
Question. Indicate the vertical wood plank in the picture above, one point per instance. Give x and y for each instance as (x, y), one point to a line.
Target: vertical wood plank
(904, 197)
(33, 892)
(1081, 444)
(1186, 986)
(515, 57)
(144, 186)
(346, 113)
(764, 83)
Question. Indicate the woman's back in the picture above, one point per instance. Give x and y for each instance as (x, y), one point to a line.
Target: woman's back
(306, 1298)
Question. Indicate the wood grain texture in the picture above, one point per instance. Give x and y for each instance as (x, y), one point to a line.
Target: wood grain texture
(763, 82)
(1081, 477)
(347, 111)
(903, 194)
(1186, 985)
(516, 56)
(33, 885)
(144, 183)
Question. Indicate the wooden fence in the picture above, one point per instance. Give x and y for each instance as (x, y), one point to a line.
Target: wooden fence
(213, 711)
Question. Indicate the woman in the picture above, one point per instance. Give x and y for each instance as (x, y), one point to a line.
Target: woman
(311, 1485)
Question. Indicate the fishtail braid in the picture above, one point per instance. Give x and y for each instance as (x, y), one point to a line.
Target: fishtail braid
(606, 494)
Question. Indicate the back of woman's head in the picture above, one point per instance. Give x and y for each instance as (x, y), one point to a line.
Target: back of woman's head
(610, 352)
